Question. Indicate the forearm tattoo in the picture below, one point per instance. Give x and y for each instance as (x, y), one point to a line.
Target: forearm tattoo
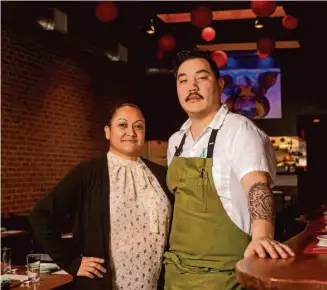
(261, 203)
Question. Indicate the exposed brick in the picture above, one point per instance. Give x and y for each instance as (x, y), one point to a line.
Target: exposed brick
(53, 109)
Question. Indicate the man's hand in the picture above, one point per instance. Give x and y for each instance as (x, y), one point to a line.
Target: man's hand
(265, 246)
(90, 267)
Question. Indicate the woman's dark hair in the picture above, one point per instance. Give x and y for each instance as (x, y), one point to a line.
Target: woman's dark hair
(115, 109)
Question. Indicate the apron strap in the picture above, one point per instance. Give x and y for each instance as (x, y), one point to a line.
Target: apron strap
(211, 143)
(179, 150)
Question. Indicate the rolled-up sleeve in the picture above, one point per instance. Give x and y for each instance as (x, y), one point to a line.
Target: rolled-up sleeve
(251, 150)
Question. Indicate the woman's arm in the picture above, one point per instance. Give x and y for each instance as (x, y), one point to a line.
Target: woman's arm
(54, 210)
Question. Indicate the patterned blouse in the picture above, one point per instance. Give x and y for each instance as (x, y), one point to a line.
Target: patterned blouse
(139, 216)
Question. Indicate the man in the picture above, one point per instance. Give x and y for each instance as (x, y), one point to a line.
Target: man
(221, 168)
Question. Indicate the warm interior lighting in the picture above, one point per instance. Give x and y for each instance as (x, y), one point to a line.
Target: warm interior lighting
(111, 56)
(246, 46)
(219, 15)
(258, 24)
(151, 29)
(46, 24)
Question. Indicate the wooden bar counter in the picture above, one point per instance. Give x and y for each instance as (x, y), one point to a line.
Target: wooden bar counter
(306, 271)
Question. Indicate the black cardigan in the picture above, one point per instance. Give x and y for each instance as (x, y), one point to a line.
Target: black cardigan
(82, 195)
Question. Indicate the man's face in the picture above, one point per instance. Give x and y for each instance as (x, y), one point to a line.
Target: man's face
(197, 87)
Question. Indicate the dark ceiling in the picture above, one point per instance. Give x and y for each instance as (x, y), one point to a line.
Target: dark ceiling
(304, 69)
(129, 27)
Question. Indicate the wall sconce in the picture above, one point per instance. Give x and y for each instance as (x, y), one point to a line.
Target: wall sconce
(118, 53)
(46, 24)
(53, 19)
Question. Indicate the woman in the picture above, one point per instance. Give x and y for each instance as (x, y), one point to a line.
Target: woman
(120, 212)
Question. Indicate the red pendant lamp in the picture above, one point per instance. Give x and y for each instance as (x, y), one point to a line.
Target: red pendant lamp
(263, 8)
(262, 55)
(208, 33)
(289, 22)
(201, 17)
(166, 43)
(220, 58)
(106, 11)
(266, 45)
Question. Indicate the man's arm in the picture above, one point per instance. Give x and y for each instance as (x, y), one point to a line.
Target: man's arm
(260, 203)
(261, 209)
(253, 161)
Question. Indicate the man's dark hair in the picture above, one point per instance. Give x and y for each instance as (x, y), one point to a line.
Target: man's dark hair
(190, 54)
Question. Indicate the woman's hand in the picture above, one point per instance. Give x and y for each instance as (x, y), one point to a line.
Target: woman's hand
(263, 246)
(90, 267)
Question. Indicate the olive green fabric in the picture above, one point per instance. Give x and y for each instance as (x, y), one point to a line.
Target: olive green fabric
(204, 243)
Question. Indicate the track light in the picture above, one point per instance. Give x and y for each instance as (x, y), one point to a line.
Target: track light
(258, 24)
(151, 29)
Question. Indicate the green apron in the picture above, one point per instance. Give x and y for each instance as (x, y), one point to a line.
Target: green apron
(204, 242)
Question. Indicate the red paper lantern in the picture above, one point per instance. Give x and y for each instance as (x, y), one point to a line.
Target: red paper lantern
(220, 58)
(166, 43)
(201, 17)
(106, 11)
(208, 33)
(265, 46)
(263, 8)
(289, 22)
(160, 54)
(262, 55)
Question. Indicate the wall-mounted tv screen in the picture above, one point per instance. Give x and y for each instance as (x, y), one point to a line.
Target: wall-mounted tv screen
(252, 86)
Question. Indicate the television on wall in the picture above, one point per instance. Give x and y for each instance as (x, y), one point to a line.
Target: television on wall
(252, 86)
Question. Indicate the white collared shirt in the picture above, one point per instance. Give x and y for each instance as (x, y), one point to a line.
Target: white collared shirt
(240, 148)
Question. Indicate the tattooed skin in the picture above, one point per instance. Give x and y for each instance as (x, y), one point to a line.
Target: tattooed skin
(261, 203)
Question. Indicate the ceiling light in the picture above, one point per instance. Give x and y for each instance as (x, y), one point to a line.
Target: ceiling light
(151, 29)
(258, 24)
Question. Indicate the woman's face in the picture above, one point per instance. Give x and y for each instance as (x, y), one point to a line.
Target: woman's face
(126, 132)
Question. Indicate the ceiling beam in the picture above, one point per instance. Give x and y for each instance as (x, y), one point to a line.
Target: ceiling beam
(219, 15)
(247, 46)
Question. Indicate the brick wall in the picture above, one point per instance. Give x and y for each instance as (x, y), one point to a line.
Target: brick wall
(54, 105)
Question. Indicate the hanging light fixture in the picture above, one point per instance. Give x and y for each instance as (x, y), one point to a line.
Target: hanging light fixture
(151, 29)
(258, 24)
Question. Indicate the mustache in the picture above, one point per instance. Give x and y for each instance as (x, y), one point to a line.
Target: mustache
(193, 94)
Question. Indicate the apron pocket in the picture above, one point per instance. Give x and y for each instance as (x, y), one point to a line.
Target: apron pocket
(198, 200)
